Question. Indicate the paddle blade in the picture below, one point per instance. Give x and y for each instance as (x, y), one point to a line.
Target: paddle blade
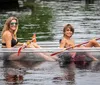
(19, 50)
(34, 38)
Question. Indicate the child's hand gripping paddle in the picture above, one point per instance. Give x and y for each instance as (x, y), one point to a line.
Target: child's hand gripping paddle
(72, 47)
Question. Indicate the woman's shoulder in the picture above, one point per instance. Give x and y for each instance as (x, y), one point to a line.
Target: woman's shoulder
(7, 34)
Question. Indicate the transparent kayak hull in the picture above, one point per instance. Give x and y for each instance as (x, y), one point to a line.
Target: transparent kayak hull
(35, 53)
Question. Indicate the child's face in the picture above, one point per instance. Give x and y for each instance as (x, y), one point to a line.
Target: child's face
(68, 32)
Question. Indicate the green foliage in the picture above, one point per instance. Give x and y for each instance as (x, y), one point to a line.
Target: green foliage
(37, 21)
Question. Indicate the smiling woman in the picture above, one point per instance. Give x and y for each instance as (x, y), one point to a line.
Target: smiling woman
(9, 34)
(9, 39)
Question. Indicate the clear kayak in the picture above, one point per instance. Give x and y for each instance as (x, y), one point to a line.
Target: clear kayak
(35, 53)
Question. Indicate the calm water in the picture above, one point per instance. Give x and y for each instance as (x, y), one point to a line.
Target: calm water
(47, 18)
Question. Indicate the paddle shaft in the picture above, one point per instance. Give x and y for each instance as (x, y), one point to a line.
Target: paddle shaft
(24, 46)
(80, 44)
(72, 47)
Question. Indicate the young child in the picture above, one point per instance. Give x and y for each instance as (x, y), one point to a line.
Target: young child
(67, 41)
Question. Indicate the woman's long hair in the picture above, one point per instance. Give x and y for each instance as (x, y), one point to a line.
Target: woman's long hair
(7, 25)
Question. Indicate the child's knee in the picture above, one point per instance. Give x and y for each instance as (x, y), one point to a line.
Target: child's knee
(93, 41)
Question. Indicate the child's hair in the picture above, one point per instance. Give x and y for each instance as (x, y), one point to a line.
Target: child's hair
(68, 26)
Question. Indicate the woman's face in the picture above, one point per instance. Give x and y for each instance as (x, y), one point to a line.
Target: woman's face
(68, 32)
(13, 25)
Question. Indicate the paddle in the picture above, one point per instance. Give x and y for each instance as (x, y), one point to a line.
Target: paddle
(72, 47)
(26, 44)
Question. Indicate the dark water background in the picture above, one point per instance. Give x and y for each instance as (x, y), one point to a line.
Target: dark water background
(47, 18)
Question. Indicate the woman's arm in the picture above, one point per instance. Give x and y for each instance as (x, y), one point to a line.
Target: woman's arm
(19, 44)
(7, 37)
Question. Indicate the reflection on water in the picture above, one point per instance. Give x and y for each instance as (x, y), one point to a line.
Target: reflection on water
(14, 71)
(69, 73)
(47, 18)
(47, 73)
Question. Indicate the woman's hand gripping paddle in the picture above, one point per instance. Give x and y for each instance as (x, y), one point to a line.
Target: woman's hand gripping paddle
(72, 47)
(26, 44)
